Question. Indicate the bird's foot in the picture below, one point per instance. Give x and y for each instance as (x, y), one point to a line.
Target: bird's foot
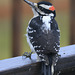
(27, 54)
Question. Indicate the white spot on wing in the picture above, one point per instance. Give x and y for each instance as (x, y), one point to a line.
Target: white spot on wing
(29, 27)
(35, 46)
(41, 55)
(34, 30)
(55, 48)
(30, 31)
(57, 44)
(58, 30)
(37, 50)
(31, 37)
(43, 59)
(32, 42)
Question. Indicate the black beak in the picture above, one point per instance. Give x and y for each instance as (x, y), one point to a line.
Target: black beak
(30, 3)
(33, 5)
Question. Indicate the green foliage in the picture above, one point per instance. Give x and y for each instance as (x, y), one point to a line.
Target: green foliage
(5, 39)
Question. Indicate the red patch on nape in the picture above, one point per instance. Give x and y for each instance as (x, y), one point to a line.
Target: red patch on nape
(52, 8)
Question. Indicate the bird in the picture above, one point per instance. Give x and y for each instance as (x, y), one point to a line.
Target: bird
(43, 35)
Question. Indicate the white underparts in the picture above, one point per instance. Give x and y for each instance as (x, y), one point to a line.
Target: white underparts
(58, 30)
(32, 31)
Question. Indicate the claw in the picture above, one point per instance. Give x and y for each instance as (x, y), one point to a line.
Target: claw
(28, 54)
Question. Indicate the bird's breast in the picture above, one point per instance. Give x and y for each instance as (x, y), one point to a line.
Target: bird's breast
(46, 26)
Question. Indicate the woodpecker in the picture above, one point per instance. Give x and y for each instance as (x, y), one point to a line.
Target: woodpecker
(43, 35)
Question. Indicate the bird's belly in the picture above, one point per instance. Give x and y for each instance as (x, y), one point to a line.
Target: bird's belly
(45, 42)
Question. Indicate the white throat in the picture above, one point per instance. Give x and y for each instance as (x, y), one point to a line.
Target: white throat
(47, 22)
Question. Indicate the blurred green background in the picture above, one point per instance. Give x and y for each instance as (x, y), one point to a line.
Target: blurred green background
(62, 19)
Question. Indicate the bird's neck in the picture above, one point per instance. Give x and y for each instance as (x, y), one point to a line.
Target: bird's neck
(48, 17)
(51, 16)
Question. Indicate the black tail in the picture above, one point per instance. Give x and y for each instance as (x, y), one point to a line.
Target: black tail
(47, 69)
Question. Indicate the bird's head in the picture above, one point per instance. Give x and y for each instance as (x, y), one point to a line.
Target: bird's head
(42, 8)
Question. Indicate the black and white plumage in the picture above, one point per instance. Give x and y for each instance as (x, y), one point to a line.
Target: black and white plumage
(43, 35)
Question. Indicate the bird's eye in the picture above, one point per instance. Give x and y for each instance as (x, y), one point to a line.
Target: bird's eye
(41, 8)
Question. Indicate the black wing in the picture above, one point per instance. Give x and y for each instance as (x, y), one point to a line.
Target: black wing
(42, 41)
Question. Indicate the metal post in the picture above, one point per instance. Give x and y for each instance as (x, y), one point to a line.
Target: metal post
(72, 22)
(16, 26)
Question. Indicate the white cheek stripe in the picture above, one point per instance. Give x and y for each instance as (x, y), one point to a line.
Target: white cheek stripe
(45, 6)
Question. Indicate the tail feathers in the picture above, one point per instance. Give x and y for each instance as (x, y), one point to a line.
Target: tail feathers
(47, 69)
